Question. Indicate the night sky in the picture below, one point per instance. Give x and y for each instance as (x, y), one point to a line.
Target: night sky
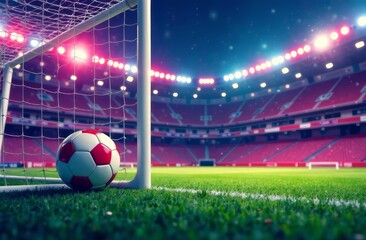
(201, 38)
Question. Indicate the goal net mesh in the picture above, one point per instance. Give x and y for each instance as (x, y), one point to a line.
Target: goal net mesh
(87, 81)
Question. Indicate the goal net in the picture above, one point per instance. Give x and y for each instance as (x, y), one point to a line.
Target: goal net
(67, 66)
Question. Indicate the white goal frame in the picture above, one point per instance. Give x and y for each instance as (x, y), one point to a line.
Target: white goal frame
(311, 164)
(142, 178)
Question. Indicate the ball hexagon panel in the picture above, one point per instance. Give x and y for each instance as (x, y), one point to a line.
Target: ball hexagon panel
(72, 136)
(115, 161)
(101, 154)
(106, 141)
(81, 164)
(85, 142)
(65, 152)
(64, 171)
(101, 176)
(80, 183)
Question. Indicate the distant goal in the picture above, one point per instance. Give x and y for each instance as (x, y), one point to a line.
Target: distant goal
(312, 165)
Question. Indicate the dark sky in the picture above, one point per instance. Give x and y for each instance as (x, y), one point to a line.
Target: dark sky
(210, 38)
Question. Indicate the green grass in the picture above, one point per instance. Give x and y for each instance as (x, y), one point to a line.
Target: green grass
(161, 214)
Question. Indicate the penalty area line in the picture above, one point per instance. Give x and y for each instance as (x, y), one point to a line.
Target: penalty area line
(256, 196)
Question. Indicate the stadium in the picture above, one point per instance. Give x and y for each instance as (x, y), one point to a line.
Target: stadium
(274, 149)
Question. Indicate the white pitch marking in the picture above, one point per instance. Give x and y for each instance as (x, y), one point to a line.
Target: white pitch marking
(316, 201)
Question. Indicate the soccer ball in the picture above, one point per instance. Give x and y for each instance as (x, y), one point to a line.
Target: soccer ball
(87, 159)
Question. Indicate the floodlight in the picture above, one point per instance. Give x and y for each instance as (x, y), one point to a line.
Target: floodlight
(100, 83)
(134, 69)
(73, 77)
(79, 53)
(47, 77)
(223, 94)
(237, 75)
(263, 85)
(235, 85)
(307, 48)
(334, 36)
(361, 21)
(61, 50)
(285, 70)
(321, 42)
(360, 44)
(226, 78)
(345, 30)
(329, 65)
(175, 94)
(34, 43)
(195, 95)
(129, 79)
(298, 75)
(155, 92)
(95, 59)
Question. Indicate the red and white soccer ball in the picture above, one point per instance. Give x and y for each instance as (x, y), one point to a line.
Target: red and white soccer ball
(87, 159)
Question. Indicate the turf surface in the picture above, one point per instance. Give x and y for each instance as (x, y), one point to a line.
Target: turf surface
(310, 205)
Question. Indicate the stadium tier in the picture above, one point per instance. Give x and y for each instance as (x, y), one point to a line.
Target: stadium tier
(254, 130)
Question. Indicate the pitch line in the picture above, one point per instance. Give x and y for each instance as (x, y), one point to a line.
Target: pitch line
(256, 196)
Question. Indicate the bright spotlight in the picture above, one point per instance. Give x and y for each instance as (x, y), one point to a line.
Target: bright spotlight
(287, 86)
(100, 83)
(110, 63)
(123, 88)
(345, 30)
(235, 85)
(307, 48)
(298, 75)
(3, 33)
(263, 85)
(361, 21)
(78, 54)
(321, 42)
(155, 92)
(73, 77)
(95, 59)
(129, 79)
(34, 43)
(195, 95)
(329, 65)
(252, 70)
(134, 69)
(237, 75)
(61, 50)
(226, 78)
(334, 36)
(47, 77)
(127, 67)
(360, 44)
(285, 70)
(175, 94)
(223, 94)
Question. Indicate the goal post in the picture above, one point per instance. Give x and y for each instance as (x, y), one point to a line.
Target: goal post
(142, 178)
(311, 165)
